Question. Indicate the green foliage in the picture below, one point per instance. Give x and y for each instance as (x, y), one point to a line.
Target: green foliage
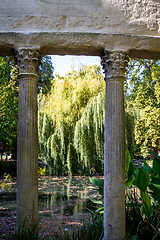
(98, 183)
(92, 230)
(129, 168)
(143, 102)
(141, 214)
(8, 178)
(9, 90)
(9, 104)
(129, 131)
(8, 168)
(89, 132)
(42, 171)
(138, 227)
(70, 97)
(133, 213)
(128, 159)
(6, 184)
(143, 179)
(148, 182)
(26, 233)
(70, 158)
(147, 207)
(45, 75)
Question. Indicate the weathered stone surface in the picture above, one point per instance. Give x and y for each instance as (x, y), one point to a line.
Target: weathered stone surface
(77, 26)
(114, 64)
(81, 43)
(27, 145)
(107, 16)
(28, 61)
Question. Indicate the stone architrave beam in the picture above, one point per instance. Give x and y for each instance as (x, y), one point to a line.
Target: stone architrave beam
(28, 61)
(114, 64)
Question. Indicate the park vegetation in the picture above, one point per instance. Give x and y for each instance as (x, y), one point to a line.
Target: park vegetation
(71, 118)
(72, 110)
(71, 113)
(9, 90)
(71, 122)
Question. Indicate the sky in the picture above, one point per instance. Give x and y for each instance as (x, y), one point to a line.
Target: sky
(62, 64)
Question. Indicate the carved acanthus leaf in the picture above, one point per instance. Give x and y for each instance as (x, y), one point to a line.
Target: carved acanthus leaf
(114, 64)
(28, 60)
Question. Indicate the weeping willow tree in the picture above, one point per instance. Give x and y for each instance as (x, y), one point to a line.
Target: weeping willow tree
(45, 126)
(89, 133)
(71, 123)
(63, 107)
(129, 131)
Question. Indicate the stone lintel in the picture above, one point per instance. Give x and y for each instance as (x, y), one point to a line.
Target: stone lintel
(79, 43)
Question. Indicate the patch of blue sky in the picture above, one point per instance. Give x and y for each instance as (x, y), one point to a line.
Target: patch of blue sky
(64, 64)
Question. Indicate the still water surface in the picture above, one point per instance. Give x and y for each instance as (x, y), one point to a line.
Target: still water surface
(65, 196)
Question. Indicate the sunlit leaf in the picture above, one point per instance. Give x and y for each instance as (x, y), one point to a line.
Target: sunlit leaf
(128, 159)
(100, 210)
(156, 166)
(131, 169)
(129, 181)
(155, 188)
(98, 182)
(142, 180)
(146, 204)
(95, 201)
(91, 187)
(155, 180)
(147, 168)
(101, 159)
(135, 173)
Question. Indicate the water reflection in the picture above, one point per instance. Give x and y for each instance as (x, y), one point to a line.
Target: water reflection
(64, 196)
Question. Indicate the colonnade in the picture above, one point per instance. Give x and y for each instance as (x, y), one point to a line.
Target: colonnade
(114, 64)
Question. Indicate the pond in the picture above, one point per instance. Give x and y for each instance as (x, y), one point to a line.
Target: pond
(64, 196)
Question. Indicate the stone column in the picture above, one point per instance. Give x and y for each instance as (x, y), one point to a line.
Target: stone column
(28, 61)
(114, 63)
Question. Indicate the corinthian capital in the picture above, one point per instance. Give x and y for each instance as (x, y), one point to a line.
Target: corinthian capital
(28, 61)
(114, 63)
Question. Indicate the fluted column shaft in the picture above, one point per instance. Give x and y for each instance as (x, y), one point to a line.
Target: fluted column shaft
(28, 61)
(114, 63)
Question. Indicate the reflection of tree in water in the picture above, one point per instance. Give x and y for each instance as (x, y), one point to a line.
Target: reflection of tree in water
(61, 196)
(69, 186)
(73, 196)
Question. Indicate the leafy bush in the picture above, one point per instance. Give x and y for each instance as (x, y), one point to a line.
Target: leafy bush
(42, 171)
(8, 168)
(142, 210)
